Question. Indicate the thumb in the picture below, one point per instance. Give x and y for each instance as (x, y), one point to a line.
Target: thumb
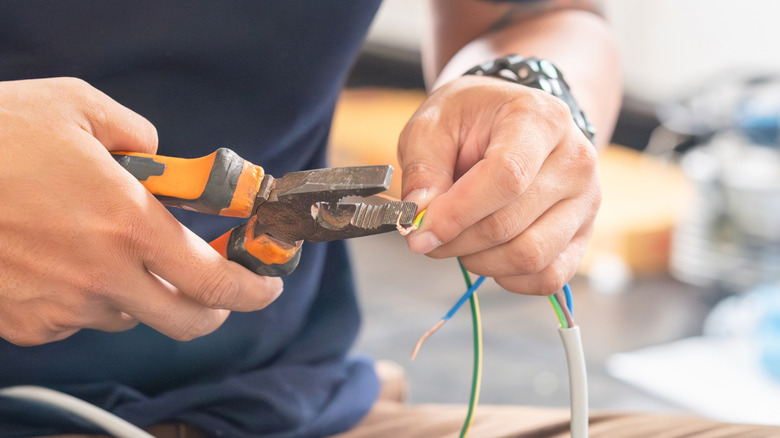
(428, 167)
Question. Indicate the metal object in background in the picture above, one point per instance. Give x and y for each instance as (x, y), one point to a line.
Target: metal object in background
(728, 144)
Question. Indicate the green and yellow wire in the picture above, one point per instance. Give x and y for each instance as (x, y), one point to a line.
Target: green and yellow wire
(562, 304)
(476, 324)
(476, 375)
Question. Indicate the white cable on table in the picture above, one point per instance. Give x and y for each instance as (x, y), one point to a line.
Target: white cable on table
(109, 422)
(578, 380)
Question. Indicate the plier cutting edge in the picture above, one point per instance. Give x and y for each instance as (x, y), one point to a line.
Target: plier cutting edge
(314, 205)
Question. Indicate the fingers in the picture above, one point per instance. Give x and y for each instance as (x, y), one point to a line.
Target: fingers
(108, 257)
(427, 159)
(495, 163)
(554, 276)
(112, 124)
(536, 247)
(110, 320)
(509, 183)
(164, 308)
(187, 262)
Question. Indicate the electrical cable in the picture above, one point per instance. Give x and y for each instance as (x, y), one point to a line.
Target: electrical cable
(558, 311)
(476, 325)
(465, 297)
(575, 359)
(564, 309)
(476, 376)
(563, 305)
(569, 300)
(109, 422)
(578, 380)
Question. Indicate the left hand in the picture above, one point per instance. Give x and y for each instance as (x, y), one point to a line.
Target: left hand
(509, 182)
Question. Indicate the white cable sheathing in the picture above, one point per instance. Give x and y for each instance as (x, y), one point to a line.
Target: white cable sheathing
(97, 416)
(578, 380)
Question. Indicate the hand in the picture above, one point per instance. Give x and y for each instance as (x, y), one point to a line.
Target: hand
(509, 182)
(84, 245)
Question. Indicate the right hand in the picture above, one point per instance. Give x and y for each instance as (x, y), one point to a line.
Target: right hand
(85, 245)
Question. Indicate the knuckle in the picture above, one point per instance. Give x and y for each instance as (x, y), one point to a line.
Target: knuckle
(58, 319)
(552, 280)
(78, 89)
(420, 123)
(27, 339)
(133, 233)
(500, 227)
(26, 333)
(217, 289)
(595, 197)
(95, 281)
(418, 166)
(74, 84)
(530, 256)
(583, 158)
(200, 323)
(555, 109)
(512, 175)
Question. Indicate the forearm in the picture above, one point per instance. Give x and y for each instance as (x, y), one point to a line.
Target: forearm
(578, 42)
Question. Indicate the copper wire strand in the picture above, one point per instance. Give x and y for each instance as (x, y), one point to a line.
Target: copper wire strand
(402, 229)
(425, 336)
(565, 308)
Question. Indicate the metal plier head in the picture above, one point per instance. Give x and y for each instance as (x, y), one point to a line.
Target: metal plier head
(316, 205)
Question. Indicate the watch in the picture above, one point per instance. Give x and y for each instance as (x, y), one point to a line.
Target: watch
(540, 74)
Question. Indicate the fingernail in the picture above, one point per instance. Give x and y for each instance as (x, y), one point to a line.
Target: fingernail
(420, 196)
(424, 242)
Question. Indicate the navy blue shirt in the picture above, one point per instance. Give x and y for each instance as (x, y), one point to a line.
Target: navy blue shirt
(262, 78)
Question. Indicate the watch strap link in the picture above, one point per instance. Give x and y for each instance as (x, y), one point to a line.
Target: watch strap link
(540, 74)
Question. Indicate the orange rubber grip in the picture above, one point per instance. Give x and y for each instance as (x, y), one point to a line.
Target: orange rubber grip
(261, 254)
(220, 183)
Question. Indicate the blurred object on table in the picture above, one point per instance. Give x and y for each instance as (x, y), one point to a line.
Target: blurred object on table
(643, 197)
(726, 140)
(753, 318)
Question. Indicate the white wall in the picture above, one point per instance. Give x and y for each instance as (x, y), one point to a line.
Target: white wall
(670, 46)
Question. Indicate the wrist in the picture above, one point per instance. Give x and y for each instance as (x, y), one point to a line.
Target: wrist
(540, 74)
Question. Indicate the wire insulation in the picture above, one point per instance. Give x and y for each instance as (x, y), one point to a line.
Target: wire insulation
(418, 219)
(569, 300)
(464, 298)
(106, 420)
(476, 377)
(561, 299)
(558, 311)
(578, 380)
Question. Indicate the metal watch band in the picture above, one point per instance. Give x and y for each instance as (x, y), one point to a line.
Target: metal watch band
(540, 74)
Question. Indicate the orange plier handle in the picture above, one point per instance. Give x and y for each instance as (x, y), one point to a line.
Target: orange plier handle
(221, 183)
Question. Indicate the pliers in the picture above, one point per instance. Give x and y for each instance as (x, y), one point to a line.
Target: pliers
(283, 212)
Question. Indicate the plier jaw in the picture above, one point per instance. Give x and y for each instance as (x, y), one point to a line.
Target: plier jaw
(330, 204)
(316, 205)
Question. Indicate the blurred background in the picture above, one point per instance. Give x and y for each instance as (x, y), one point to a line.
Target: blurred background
(678, 295)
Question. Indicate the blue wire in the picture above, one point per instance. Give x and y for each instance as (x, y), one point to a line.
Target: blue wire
(569, 301)
(463, 299)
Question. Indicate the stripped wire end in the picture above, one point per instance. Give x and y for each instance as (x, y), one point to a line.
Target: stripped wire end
(425, 336)
(403, 229)
(415, 224)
